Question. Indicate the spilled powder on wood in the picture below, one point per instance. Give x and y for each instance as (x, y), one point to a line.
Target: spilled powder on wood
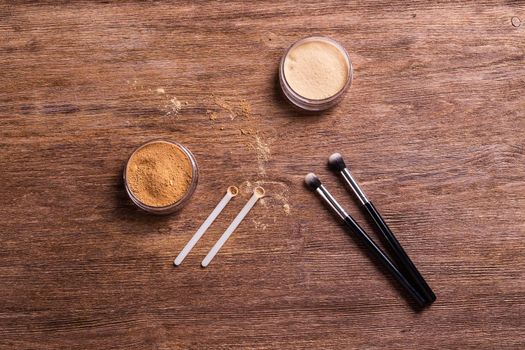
(246, 109)
(241, 112)
(259, 225)
(211, 115)
(241, 108)
(276, 195)
(263, 153)
(224, 105)
(173, 107)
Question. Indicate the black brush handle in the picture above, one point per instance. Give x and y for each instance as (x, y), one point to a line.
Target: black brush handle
(379, 254)
(402, 257)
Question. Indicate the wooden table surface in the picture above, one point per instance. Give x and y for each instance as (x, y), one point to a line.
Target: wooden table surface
(433, 128)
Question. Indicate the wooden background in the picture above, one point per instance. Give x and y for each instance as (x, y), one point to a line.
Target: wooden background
(433, 128)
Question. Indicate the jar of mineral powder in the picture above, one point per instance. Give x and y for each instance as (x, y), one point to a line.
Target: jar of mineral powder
(160, 176)
(315, 73)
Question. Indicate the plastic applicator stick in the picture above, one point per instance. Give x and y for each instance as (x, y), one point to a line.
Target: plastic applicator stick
(258, 192)
(230, 193)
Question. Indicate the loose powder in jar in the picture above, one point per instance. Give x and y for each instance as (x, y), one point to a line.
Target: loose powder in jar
(159, 174)
(316, 69)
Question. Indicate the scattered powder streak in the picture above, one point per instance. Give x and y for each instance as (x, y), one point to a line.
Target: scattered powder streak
(211, 115)
(263, 153)
(246, 109)
(173, 107)
(277, 194)
(225, 105)
(241, 109)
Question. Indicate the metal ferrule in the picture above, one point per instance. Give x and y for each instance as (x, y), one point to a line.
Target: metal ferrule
(355, 187)
(330, 200)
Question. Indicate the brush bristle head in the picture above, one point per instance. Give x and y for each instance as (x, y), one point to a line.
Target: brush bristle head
(336, 162)
(312, 181)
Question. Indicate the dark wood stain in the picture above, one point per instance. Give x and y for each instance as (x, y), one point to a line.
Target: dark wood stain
(433, 127)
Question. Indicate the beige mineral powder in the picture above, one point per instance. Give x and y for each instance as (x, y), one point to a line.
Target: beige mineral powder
(316, 69)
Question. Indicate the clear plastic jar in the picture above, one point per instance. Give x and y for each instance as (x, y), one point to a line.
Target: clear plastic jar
(168, 209)
(309, 104)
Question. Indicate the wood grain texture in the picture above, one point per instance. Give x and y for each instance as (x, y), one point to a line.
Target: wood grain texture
(433, 128)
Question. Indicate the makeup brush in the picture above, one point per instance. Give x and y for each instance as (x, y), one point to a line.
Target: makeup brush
(337, 163)
(315, 184)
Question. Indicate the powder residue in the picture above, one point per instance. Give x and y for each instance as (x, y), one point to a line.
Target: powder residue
(173, 107)
(259, 225)
(241, 109)
(246, 108)
(263, 153)
(277, 195)
(246, 187)
(316, 69)
(211, 115)
(241, 115)
(225, 105)
(246, 131)
(159, 174)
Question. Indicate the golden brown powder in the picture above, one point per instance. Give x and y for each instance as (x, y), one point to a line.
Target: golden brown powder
(159, 174)
(246, 109)
(211, 114)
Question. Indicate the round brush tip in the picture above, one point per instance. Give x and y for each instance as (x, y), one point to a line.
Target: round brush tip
(336, 162)
(312, 181)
